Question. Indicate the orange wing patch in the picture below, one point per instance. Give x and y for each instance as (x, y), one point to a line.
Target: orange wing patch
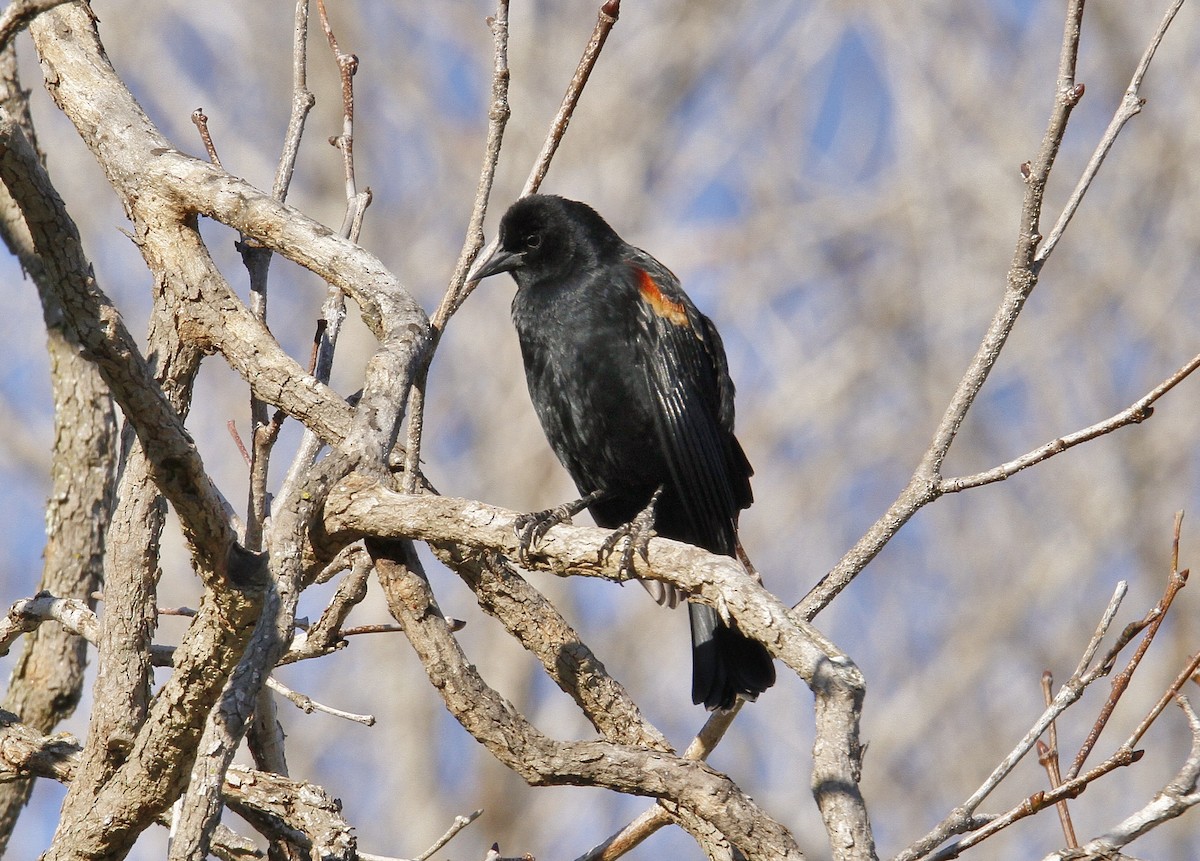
(661, 304)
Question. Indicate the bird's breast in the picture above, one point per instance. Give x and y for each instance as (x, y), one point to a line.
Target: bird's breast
(586, 374)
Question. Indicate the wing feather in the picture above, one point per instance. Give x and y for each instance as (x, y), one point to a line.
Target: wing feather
(686, 374)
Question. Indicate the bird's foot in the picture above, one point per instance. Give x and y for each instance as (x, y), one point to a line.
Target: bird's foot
(532, 528)
(635, 537)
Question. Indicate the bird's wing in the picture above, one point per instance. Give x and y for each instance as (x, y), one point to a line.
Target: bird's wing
(687, 376)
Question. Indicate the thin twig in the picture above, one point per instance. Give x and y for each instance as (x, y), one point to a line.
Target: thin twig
(460, 822)
(333, 310)
(302, 102)
(609, 13)
(1124, 755)
(359, 630)
(963, 818)
(927, 484)
(1067, 695)
(308, 705)
(1048, 758)
(325, 635)
(1189, 669)
(464, 282)
(1176, 580)
(347, 67)
(656, 817)
(1131, 105)
(1135, 413)
(1110, 613)
(200, 119)
(266, 431)
(498, 114)
(1039, 801)
(1177, 797)
(231, 427)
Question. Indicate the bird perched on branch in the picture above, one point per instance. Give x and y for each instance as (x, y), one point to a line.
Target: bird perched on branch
(632, 388)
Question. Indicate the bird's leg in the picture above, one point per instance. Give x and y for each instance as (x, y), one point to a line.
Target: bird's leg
(532, 527)
(745, 560)
(635, 535)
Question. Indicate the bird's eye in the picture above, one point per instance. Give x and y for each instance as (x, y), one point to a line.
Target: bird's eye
(533, 240)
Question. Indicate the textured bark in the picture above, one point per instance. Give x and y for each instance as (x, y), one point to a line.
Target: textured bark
(47, 680)
(693, 786)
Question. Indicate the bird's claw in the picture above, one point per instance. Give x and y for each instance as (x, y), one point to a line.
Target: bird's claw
(532, 528)
(635, 536)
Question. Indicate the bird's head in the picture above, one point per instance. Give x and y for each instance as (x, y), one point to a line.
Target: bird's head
(548, 237)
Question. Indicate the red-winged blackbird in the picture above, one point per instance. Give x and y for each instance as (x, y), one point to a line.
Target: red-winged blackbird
(632, 388)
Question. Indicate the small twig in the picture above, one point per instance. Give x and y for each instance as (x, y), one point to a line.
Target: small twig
(456, 292)
(1173, 800)
(460, 822)
(308, 705)
(347, 67)
(345, 559)
(255, 258)
(381, 629)
(656, 817)
(1039, 801)
(356, 203)
(1171, 692)
(302, 103)
(1123, 756)
(1176, 580)
(200, 119)
(464, 282)
(1131, 105)
(333, 310)
(265, 431)
(1093, 646)
(325, 635)
(1048, 758)
(231, 426)
(609, 13)
(927, 484)
(624, 841)
(963, 818)
(1137, 412)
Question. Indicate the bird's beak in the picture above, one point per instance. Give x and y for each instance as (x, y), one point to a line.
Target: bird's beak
(501, 261)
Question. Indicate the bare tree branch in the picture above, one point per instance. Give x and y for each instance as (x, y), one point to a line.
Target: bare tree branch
(1176, 798)
(541, 760)
(926, 483)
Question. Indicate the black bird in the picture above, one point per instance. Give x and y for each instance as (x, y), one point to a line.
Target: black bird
(632, 388)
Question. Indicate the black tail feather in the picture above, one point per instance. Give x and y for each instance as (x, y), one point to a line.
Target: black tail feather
(725, 662)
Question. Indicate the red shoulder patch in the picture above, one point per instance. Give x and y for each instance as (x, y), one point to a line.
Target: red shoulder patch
(661, 304)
